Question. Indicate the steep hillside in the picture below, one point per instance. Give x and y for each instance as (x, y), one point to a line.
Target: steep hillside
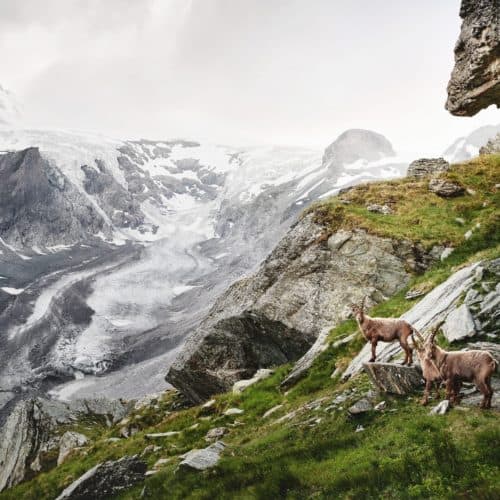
(368, 241)
(322, 436)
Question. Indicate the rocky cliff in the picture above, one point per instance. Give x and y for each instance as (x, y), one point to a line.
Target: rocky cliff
(475, 79)
(304, 286)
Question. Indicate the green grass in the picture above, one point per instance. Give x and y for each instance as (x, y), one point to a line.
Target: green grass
(402, 453)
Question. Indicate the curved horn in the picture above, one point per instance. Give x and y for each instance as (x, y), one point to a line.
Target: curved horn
(435, 330)
(419, 335)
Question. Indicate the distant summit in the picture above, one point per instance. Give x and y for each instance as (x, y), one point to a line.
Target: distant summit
(465, 148)
(357, 144)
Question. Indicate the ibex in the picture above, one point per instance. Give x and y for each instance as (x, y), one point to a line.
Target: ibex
(384, 329)
(455, 367)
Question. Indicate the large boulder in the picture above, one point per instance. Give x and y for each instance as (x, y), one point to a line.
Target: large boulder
(424, 167)
(303, 287)
(445, 189)
(394, 378)
(69, 441)
(106, 479)
(475, 79)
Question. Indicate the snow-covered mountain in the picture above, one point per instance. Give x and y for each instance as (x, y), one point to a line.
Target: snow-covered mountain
(465, 148)
(113, 251)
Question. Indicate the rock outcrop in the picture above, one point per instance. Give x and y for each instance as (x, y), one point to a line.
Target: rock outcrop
(274, 316)
(394, 378)
(204, 458)
(31, 430)
(106, 479)
(424, 167)
(477, 284)
(475, 79)
(459, 324)
(40, 206)
(445, 189)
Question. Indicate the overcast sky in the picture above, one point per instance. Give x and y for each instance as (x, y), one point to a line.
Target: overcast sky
(239, 72)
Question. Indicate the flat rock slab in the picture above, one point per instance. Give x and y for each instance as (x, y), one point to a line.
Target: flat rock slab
(204, 458)
(106, 479)
(459, 324)
(394, 378)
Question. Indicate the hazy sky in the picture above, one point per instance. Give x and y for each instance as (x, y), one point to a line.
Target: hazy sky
(295, 72)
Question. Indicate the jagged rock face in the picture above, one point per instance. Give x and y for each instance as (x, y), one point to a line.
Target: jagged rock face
(356, 144)
(492, 146)
(106, 480)
(30, 430)
(475, 79)
(39, 206)
(303, 287)
(427, 166)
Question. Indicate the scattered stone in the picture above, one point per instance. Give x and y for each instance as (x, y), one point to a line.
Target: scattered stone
(380, 406)
(441, 408)
(159, 435)
(150, 473)
(148, 449)
(341, 398)
(336, 372)
(70, 441)
(414, 293)
(286, 417)
(360, 428)
(379, 209)
(446, 253)
(361, 406)
(195, 426)
(394, 378)
(216, 433)
(445, 189)
(271, 411)
(468, 234)
(233, 411)
(470, 192)
(204, 458)
(459, 324)
(460, 220)
(113, 440)
(261, 374)
(128, 430)
(161, 462)
(427, 166)
(106, 479)
(208, 404)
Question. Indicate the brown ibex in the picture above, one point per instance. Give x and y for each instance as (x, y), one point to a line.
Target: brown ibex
(455, 367)
(384, 329)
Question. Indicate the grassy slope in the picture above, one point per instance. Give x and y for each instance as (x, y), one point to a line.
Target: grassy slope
(402, 453)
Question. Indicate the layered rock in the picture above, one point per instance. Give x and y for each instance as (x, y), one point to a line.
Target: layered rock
(394, 378)
(424, 167)
(302, 288)
(31, 430)
(475, 79)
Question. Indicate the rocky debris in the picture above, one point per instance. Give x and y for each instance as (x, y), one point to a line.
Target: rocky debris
(216, 433)
(425, 167)
(209, 404)
(233, 411)
(475, 79)
(379, 209)
(361, 406)
(106, 479)
(28, 433)
(492, 146)
(161, 435)
(360, 428)
(394, 378)
(445, 189)
(414, 293)
(261, 374)
(150, 448)
(441, 408)
(380, 406)
(286, 417)
(272, 317)
(272, 410)
(69, 441)
(459, 324)
(441, 301)
(128, 430)
(204, 458)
